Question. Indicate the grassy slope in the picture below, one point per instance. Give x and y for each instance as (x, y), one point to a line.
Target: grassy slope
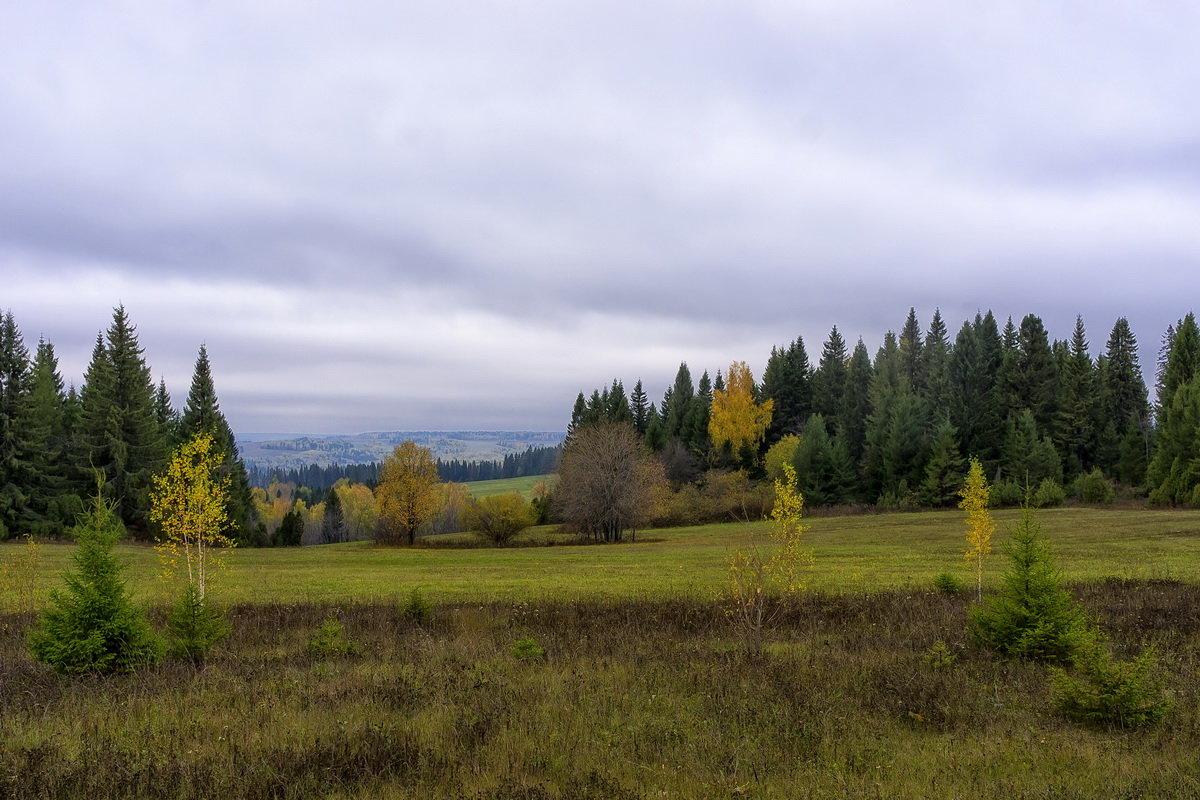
(862, 553)
(505, 485)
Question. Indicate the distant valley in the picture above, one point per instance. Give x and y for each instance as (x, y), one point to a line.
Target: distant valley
(288, 451)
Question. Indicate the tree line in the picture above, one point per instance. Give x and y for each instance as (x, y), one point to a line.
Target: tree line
(896, 429)
(58, 443)
(319, 478)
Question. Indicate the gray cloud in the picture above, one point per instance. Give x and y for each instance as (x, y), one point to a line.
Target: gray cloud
(430, 215)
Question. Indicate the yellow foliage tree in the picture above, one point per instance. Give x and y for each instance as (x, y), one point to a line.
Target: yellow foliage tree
(360, 509)
(756, 575)
(188, 501)
(408, 493)
(736, 418)
(980, 527)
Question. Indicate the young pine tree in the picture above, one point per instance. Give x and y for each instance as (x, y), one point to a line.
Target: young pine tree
(93, 626)
(1033, 616)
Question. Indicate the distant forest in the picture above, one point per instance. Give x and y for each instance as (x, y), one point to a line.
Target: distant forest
(896, 429)
(59, 445)
(319, 478)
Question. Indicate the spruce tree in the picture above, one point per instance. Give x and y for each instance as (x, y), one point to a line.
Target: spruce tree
(824, 473)
(912, 347)
(1033, 616)
(93, 626)
(944, 470)
(934, 384)
(333, 521)
(829, 380)
(856, 402)
(1036, 374)
(1174, 474)
(165, 413)
(45, 425)
(120, 427)
(1124, 405)
(202, 414)
(638, 405)
(1183, 359)
(1078, 391)
(695, 427)
(677, 403)
(15, 447)
(787, 380)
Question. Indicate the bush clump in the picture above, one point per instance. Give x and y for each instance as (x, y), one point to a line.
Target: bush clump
(1095, 488)
(1105, 691)
(418, 608)
(947, 583)
(499, 518)
(1049, 493)
(194, 626)
(527, 649)
(331, 639)
(1033, 616)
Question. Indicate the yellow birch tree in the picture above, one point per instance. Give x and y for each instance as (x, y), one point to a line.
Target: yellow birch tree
(754, 575)
(980, 527)
(736, 419)
(188, 501)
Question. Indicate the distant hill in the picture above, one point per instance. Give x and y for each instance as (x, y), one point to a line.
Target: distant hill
(363, 448)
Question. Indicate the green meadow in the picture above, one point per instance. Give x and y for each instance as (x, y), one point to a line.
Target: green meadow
(523, 486)
(864, 553)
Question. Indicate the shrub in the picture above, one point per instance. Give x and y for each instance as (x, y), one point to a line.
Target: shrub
(1095, 488)
(500, 517)
(1105, 691)
(331, 640)
(1033, 616)
(527, 649)
(94, 626)
(1049, 493)
(946, 583)
(417, 608)
(1006, 494)
(939, 656)
(194, 626)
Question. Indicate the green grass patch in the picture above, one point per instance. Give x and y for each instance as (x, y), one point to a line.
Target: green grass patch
(850, 554)
(524, 486)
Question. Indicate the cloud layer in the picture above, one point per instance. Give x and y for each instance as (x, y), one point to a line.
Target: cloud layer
(454, 215)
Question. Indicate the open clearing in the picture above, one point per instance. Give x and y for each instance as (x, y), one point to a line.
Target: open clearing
(505, 485)
(850, 554)
(632, 683)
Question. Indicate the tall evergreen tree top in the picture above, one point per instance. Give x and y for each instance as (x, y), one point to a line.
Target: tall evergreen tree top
(787, 380)
(1124, 389)
(1183, 359)
(202, 412)
(829, 381)
(911, 346)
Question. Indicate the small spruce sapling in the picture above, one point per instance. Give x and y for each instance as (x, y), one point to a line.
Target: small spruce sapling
(1033, 616)
(93, 626)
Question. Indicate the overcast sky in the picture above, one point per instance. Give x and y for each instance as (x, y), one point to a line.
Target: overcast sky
(456, 216)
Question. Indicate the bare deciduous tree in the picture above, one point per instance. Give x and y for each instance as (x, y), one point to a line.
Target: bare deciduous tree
(607, 480)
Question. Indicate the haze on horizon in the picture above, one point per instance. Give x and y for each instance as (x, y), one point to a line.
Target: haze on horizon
(432, 216)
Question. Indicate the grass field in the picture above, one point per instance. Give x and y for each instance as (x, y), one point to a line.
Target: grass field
(505, 485)
(638, 686)
(850, 554)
